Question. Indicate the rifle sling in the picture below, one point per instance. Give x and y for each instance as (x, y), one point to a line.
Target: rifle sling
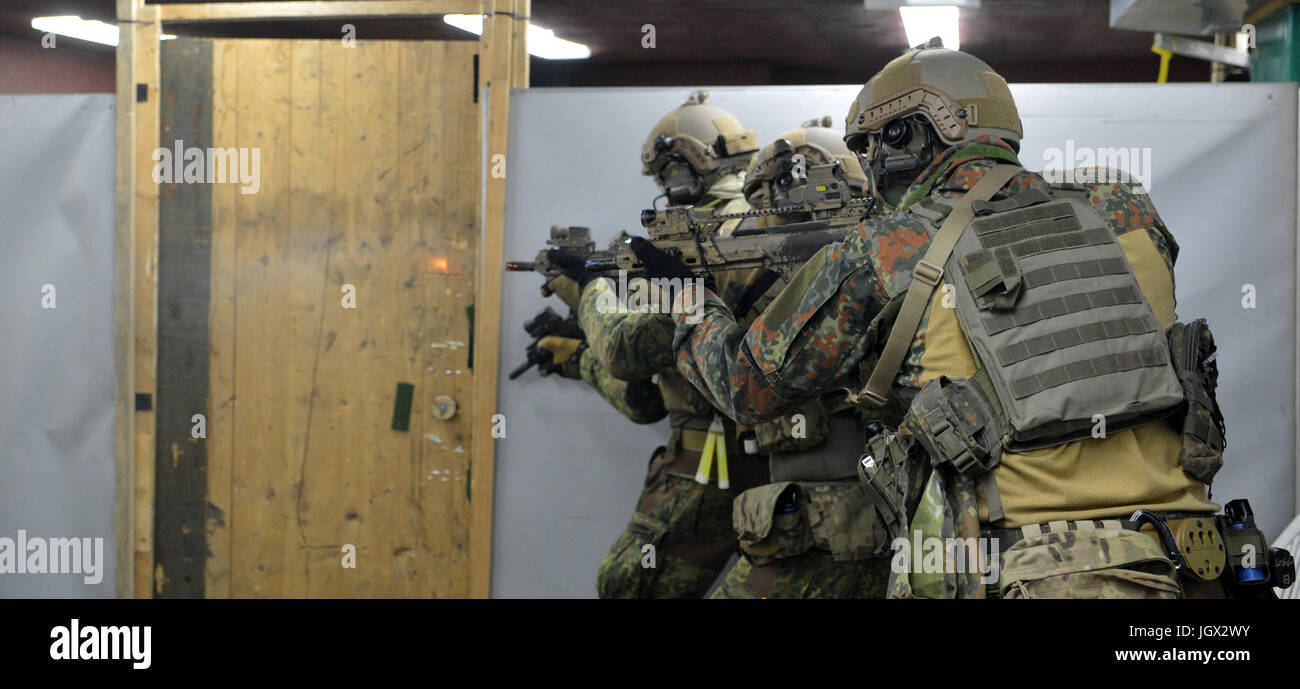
(926, 276)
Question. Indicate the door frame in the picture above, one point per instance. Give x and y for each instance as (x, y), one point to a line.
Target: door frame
(503, 65)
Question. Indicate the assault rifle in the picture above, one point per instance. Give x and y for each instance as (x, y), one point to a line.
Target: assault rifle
(546, 324)
(692, 236)
(573, 240)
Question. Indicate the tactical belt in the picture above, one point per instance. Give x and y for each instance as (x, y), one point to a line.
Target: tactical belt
(833, 460)
(1006, 538)
(746, 472)
(693, 441)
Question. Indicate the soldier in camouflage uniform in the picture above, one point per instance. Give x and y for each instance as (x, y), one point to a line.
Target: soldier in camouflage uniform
(638, 400)
(805, 445)
(930, 126)
(680, 534)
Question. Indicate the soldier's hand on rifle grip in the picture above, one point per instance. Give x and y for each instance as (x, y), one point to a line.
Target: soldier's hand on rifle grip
(573, 267)
(658, 264)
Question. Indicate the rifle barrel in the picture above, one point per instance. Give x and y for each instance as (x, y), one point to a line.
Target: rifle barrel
(521, 266)
(521, 369)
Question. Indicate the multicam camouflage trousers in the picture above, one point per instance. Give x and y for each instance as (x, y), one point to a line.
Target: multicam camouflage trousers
(813, 574)
(688, 526)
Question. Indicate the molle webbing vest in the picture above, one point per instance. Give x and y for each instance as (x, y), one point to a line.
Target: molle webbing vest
(1057, 321)
(1062, 334)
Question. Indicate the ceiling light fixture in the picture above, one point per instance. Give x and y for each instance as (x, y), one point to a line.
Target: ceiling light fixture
(73, 26)
(921, 23)
(541, 42)
(925, 19)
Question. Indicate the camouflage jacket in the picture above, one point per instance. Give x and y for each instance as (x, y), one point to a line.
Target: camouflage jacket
(640, 401)
(632, 346)
(815, 336)
(822, 332)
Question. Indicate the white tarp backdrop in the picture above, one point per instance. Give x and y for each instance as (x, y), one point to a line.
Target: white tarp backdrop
(1222, 174)
(56, 364)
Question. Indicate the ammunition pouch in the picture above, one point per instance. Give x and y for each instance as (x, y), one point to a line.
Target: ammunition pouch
(1193, 352)
(960, 428)
(786, 519)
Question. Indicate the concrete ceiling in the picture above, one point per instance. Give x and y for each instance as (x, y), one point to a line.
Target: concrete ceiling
(751, 41)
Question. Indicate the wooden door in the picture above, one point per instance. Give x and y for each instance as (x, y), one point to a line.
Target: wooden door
(289, 314)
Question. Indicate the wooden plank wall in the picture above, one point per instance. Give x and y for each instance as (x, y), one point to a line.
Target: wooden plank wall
(369, 178)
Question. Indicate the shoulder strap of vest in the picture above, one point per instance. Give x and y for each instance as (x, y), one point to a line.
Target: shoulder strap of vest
(925, 278)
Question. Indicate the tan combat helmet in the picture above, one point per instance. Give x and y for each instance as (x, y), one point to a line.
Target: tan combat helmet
(769, 172)
(956, 94)
(693, 145)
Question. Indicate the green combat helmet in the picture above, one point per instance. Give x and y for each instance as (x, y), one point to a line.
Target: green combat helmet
(771, 172)
(694, 145)
(919, 105)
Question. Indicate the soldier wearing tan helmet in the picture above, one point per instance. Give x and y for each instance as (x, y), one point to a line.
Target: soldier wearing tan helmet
(770, 173)
(679, 538)
(697, 155)
(804, 443)
(1053, 406)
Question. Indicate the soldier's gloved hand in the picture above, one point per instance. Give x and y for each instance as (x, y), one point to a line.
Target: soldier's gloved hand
(566, 289)
(658, 264)
(573, 267)
(564, 355)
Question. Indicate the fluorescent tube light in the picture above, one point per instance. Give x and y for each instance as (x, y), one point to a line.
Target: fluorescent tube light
(73, 26)
(541, 42)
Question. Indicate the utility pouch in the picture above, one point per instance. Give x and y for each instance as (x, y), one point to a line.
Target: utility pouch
(958, 426)
(770, 522)
(1192, 349)
(786, 519)
(842, 520)
(1105, 563)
